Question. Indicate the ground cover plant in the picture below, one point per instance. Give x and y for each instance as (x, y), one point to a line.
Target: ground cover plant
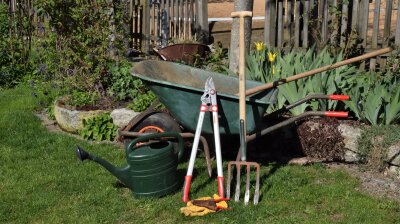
(42, 181)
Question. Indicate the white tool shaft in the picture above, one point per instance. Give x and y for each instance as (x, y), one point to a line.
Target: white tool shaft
(217, 144)
(195, 143)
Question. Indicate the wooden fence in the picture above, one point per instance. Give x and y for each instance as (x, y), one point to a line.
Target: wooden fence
(299, 23)
(155, 21)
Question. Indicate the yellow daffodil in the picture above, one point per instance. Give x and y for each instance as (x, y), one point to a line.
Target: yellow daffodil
(271, 56)
(259, 46)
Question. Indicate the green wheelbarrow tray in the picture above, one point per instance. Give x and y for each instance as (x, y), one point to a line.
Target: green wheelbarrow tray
(180, 87)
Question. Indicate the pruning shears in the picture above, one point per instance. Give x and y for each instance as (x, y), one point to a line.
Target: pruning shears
(208, 103)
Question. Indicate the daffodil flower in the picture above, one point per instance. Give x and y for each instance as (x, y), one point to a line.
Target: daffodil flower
(259, 46)
(271, 56)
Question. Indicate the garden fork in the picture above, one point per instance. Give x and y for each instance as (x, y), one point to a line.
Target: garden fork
(242, 126)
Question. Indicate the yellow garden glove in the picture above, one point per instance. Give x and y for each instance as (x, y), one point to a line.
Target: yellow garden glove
(194, 210)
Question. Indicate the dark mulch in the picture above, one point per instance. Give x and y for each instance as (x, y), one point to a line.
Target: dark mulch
(320, 138)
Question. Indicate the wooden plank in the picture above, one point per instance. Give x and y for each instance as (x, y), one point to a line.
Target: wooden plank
(180, 16)
(146, 27)
(388, 20)
(280, 24)
(375, 31)
(325, 18)
(288, 26)
(363, 21)
(344, 21)
(305, 23)
(175, 12)
(267, 22)
(191, 19)
(397, 37)
(187, 20)
(354, 14)
(334, 21)
(297, 24)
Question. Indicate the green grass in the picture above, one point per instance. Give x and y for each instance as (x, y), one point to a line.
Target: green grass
(41, 181)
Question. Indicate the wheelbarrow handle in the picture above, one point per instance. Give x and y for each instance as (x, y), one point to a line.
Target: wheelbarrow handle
(317, 70)
(339, 97)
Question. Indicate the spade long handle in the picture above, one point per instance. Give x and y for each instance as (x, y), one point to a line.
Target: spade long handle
(317, 70)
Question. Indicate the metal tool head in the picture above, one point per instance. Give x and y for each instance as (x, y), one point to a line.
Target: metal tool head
(209, 91)
(248, 166)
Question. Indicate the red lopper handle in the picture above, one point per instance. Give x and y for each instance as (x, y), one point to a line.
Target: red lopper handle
(336, 114)
(186, 189)
(339, 97)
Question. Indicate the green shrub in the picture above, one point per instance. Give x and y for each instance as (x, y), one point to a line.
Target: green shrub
(79, 98)
(122, 84)
(99, 128)
(14, 47)
(79, 46)
(142, 102)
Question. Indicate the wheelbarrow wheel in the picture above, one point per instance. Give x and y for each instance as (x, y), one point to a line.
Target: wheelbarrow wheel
(156, 123)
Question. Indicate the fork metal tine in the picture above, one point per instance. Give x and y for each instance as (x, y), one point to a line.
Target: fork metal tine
(247, 192)
(237, 191)
(239, 165)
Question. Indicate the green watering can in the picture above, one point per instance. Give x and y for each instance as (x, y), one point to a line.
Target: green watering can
(152, 167)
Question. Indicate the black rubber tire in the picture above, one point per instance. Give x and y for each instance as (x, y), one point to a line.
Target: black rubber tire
(161, 120)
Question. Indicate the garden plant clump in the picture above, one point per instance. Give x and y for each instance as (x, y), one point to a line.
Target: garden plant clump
(374, 95)
(79, 49)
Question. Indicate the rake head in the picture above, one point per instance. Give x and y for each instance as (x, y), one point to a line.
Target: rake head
(248, 166)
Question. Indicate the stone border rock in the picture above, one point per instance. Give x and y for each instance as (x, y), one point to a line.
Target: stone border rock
(71, 120)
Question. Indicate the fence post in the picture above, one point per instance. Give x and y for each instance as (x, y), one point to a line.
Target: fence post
(388, 20)
(146, 26)
(270, 23)
(375, 31)
(202, 22)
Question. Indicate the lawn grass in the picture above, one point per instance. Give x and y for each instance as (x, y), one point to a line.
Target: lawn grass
(41, 181)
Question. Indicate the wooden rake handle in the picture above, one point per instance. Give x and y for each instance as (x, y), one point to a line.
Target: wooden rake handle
(317, 70)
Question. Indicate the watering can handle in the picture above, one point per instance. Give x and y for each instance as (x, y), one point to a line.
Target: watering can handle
(145, 138)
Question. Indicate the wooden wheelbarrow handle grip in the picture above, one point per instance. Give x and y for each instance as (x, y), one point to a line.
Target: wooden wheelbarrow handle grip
(317, 70)
(242, 14)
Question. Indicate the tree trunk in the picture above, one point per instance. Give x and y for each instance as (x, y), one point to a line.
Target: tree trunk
(239, 5)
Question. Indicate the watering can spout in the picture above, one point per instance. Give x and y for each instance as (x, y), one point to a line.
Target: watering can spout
(120, 173)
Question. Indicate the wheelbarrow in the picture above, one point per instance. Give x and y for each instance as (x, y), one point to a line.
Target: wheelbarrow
(180, 87)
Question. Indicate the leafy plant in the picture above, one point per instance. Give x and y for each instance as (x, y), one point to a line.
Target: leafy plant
(142, 102)
(261, 69)
(123, 85)
(15, 32)
(99, 128)
(217, 59)
(79, 98)
(374, 96)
